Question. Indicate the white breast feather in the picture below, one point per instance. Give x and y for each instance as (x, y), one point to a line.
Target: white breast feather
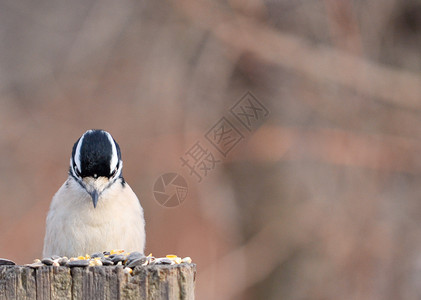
(75, 227)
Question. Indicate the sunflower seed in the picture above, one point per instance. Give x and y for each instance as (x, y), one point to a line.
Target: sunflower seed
(47, 261)
(54, 257)
(106, 262)
(7, 262)
(117, 258)
(133, 256)
(136, 262)
(63, 261)
(97, 254)
(163, 261)
(35, 265)
(78, 263)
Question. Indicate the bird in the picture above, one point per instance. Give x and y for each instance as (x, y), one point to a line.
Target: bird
(95, 210)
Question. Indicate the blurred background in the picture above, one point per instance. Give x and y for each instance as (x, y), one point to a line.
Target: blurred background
(319, 200)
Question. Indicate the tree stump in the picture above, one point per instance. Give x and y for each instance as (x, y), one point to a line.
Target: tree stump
(101, 282)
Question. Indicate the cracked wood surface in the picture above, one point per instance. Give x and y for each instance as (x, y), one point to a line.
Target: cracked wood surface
(105, 282)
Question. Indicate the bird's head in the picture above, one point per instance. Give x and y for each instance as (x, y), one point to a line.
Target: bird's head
(96, 162)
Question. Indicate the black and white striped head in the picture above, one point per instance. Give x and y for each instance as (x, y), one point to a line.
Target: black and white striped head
(96, 162)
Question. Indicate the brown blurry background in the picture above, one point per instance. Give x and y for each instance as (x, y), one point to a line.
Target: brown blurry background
(322, 200)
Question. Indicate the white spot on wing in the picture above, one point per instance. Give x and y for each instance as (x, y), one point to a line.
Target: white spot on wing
(114, 157)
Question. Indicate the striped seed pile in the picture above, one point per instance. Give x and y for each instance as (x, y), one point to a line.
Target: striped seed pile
(106, 258)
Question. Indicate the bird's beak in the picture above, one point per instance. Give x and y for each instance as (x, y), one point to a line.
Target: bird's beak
(94, 187)
(94, 194)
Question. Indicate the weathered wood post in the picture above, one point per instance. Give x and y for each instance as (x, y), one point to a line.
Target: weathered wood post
(99, 282)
